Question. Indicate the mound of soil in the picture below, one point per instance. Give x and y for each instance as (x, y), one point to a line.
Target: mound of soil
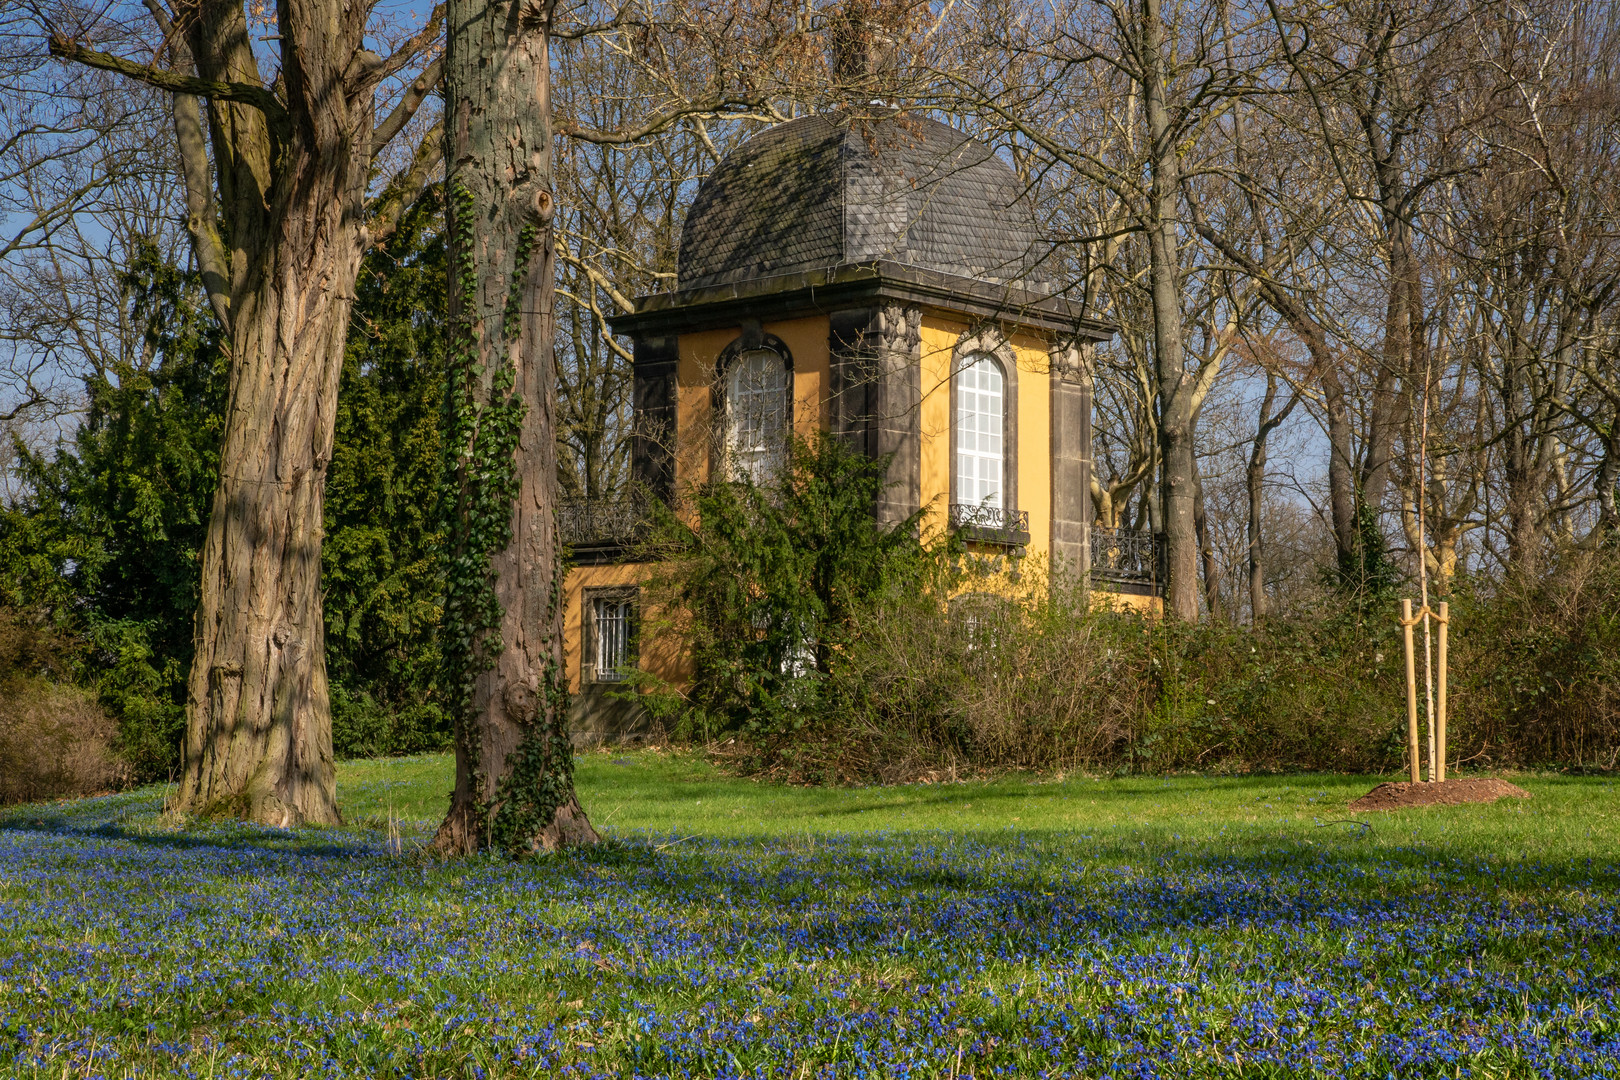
(1472, 789)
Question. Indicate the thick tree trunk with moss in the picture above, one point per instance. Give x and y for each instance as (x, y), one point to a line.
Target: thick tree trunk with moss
(275, 205)
(502, 634)
(259, 728)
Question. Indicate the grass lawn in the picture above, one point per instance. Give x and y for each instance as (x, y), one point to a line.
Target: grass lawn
(1193, 926)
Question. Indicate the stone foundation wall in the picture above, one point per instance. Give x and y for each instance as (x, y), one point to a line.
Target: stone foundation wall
(596, 718)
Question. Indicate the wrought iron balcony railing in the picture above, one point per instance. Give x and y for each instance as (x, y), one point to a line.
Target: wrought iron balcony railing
(600, 522)
(1125, 556)
(991, 524)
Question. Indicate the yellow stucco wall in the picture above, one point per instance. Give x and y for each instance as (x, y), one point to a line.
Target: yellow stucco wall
(939, 338)
(806, 341)
(1035, 439)
(579, 579)
(1104, 599)
(1033, 433)
(694, 375)
(658, 653)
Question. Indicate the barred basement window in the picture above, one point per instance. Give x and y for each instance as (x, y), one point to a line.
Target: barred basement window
(611, 636)
(981, 617)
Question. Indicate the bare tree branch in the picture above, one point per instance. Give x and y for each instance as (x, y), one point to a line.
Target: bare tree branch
(407, 185)
(662, 121)
(241, 93)
(413, 46)
(202, 216)
(423, 85)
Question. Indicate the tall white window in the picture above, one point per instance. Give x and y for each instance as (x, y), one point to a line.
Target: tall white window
(980, 432)
(756, 415)
(612, 616)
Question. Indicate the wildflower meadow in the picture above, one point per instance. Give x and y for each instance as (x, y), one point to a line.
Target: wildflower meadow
(1184, 926)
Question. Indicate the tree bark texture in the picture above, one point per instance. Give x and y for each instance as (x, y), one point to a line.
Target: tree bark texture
(1403, 342)
(291, 187)
(1254, 482)
(1206, 549)
(1607, 483)
(1176, 385)
(504, 607)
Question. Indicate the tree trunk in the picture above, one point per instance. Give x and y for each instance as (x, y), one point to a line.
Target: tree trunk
(1257, 548)
(1255, 478)
(1525, 462)
(503, 621)
(289, 165)
(1176, 386)
(1403, 315)
(1206, 549)
(1607, 481)
(259, 726)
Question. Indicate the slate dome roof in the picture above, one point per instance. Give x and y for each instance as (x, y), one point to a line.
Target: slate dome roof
(831, 189)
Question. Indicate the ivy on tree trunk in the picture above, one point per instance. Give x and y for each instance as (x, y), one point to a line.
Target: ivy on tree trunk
(501, 635)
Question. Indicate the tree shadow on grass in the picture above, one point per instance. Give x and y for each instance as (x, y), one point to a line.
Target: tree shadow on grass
(136, 818)
(1355, 859)
(1297, 868)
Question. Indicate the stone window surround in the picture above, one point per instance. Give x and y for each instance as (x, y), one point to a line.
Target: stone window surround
(991, 341)
(750, 337)
(587, 627)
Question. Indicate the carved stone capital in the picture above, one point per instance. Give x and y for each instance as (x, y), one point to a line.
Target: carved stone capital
(1072, 361)
(896, 329)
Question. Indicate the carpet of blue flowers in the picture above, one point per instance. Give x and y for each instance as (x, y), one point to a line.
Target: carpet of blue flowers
(129, 949)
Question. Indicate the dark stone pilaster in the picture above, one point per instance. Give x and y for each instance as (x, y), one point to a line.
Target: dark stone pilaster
(897, 409)
(652, 450)
(1071, 461)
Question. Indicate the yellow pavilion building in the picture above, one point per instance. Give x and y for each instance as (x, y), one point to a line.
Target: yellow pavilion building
(876, 275)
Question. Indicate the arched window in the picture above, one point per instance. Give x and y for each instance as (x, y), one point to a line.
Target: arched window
(981, 421)
(756, 414)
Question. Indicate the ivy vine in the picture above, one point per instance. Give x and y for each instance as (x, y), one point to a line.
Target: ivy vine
(481, 482)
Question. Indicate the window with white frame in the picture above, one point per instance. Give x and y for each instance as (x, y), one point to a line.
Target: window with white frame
(980, 432)
(612, 636)
(756, 415)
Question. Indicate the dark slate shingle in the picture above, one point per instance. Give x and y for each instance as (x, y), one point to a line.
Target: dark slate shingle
(831, 189)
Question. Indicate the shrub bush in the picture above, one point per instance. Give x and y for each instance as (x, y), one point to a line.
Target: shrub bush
(1044, 679)
(363, 727)
(1535, 682)
(1536, 666)
(55, 739)
(765, 587)
(143, 689)
(920, 658)
(985, 681)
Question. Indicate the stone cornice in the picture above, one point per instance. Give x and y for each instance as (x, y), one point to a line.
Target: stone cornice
(852, 285)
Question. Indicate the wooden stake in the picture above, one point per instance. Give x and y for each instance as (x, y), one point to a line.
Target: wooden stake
(1424, 614)
(1411, 690)
(1440, 738)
